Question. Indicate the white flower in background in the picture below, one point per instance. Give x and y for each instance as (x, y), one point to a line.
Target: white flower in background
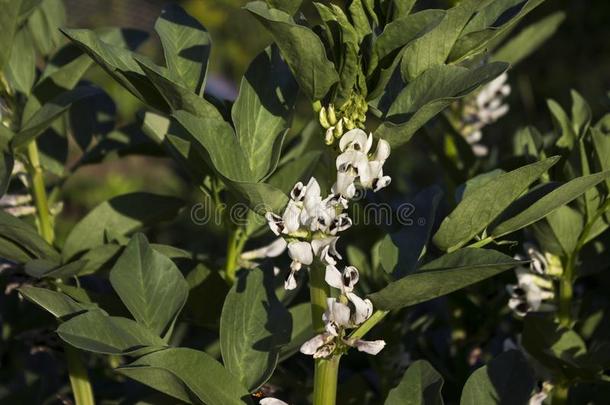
(348, 311)
(356, 163)
(18, 205)
(534, 291)
(483, 109)
(250, 258)
(272, 401)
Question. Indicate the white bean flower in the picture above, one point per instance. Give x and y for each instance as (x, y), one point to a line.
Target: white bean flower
(356, 163)
(338, 317)
(485, 108)
(534, 291)
(250, 259)
(342, 280)
(348, 311)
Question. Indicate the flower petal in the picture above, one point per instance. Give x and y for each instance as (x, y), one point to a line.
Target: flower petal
(355, 139)
(382, 153)
(291, 282)
(363, 309)
(371, 347)
(300, 252)
(333, 277)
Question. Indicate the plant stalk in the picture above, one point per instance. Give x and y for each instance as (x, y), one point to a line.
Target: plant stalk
(325, 381)
(235, 245)
(39, 194)
(566, 290)
(326, 371)
(79, 379)
(319, 291)
(363, 329)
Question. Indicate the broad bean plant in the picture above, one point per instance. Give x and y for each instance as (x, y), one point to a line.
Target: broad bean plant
(305, 264)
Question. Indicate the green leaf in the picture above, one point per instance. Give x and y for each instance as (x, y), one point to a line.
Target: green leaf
(9, 23)
(224, 153)
(184, 373)
(433, 48)
(123, 215)
(507, 379)
(95, 332)
(430, 94)
(26, 238)
(529, 39)
(302, 330)
(260, 197)
(57, 303)
(45, 116)
(120, 64)
(563, 125)
(567, 224)
(476, 182)
(41, 268)
(558, 348)
(253, 326)
(261, 112)
(287, 6)
(401, 32)
(479, 208)
(481, 30)
(150, 285)
(442, 276)
(581, 114)
(601, 144)
(175, 95)
(302, 49)
(186, 46)
(44, 24)
(401, 8)
(21, 68)
(420, 385)
(548, 203)
(401, 250)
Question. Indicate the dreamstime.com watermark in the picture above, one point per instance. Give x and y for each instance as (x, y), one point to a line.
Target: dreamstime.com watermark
(371, 213)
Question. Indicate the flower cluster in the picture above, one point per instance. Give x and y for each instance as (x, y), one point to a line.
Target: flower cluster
(485, 108)
(346, 312)
(356, 163)
(534, 290)
(351, 115)
(310, 223)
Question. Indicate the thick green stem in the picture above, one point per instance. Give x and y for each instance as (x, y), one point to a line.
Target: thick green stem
(319, 291)
(326, 370)
(325, 381)
(39, 194)
(79, 379)
(235, 245)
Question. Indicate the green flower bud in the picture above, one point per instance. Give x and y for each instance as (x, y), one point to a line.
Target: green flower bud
(339, 129)
(332, 117)
(323, 119)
